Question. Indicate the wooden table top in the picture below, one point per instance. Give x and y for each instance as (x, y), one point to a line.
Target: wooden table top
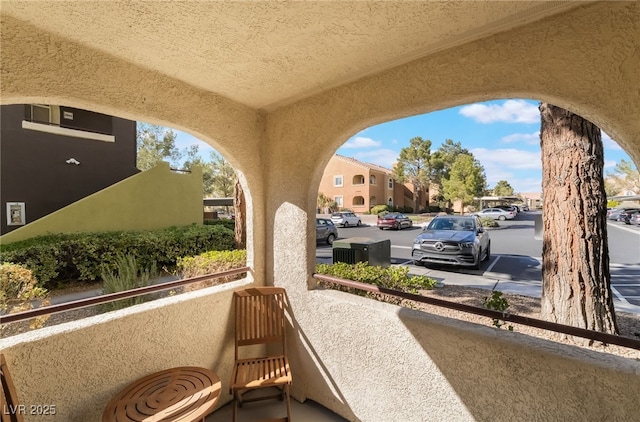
(184, 394)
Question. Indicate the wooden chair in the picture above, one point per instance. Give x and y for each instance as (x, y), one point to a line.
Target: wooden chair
(260, 320)
(11, 410)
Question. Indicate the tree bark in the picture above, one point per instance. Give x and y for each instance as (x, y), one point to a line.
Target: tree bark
(575, 255)
(240, 211)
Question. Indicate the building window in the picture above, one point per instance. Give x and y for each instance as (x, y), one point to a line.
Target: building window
(390, 201)
(338, 201)
(372, 180)
(372, 201)
(337, 181)
(390, 183)
(358, 179)
(358, 201)
(43, 113)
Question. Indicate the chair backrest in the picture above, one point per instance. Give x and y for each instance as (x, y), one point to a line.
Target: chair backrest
(260, 317)
(11, 410)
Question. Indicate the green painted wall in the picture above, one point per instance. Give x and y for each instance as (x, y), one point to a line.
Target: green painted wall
(153, 199)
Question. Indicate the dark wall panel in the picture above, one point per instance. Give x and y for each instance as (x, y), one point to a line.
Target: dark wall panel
(34, 169)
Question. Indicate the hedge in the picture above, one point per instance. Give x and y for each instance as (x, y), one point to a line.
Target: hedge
(84, 256)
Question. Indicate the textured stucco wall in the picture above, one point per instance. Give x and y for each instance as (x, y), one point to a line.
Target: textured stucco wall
(367, 360)
(153, 199)
(79, 366)
(348, 352)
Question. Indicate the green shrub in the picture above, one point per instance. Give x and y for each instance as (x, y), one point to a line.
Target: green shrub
(405, 210)
(210, 263)
(224, 222)
(127, 276)
(394, 278)
(84, 256)
(488, 222)
(378, 209)
(18, 289)
(497, 303)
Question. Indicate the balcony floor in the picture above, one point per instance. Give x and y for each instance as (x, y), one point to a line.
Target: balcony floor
(309, 411)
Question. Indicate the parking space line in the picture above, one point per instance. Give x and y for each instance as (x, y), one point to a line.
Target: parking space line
(623, 228)
(490, 267)
(619, 296)
(401, 247)
(407, 262)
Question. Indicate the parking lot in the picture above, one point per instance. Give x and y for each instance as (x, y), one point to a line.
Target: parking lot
(515, 263)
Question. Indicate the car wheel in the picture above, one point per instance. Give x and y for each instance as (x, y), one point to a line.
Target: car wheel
(331, 238)
(397, 226)
(359, 222)
(488, 254)
(381, 228)
(418, 263)
(346, 224)
(502, 218)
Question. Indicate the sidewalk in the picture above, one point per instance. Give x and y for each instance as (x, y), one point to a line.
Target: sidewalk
(490, 282)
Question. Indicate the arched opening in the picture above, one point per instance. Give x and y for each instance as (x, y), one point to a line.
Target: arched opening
(358, 180)
(83, 171)
(358, 201)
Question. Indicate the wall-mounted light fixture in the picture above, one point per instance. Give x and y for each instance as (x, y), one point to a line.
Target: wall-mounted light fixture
(72, 161)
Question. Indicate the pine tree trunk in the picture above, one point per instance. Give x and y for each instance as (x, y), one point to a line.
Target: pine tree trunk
(575, 254)
(240, 211)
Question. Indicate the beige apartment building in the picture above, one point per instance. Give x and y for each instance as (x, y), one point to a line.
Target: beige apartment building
(359, 186)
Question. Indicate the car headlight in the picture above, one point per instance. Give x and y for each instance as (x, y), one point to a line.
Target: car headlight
(416, 241)
(466, 245)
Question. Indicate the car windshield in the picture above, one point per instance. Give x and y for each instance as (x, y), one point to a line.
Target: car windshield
(451, 224)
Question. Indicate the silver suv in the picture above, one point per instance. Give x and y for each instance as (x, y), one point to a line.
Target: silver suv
(345, 219)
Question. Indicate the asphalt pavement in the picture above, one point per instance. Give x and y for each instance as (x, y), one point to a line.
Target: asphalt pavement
(515, 264)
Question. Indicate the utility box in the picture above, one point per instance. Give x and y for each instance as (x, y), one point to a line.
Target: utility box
(362, 249)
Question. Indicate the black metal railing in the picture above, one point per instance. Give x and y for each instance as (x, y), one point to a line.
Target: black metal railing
(112, 297)
(517, 319)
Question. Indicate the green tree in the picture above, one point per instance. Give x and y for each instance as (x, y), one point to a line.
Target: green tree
(503, 188)
(441, 161)
(192, 158)
(414, 166)
(223, 177)
(625, 177)
(466, 180)
(155, 144)
(576, 280)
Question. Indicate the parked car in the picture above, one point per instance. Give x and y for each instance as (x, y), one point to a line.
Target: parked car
(634, 218)
(513, 208)
(326, 230)
(625, 216)
(614, 213)
(452, 240)
(345, 219)
(394, 221)
(496, 214)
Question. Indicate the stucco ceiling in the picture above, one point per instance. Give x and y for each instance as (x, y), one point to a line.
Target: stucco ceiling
(267, 54)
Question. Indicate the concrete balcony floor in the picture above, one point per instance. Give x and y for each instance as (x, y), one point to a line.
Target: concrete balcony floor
(309, 411)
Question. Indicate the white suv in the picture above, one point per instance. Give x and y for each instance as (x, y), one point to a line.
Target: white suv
(345, 219)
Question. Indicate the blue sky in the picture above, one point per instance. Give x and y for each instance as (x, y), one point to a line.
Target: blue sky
(503, 135)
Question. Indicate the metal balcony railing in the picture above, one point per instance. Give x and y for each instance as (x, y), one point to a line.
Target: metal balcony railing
(518, 319)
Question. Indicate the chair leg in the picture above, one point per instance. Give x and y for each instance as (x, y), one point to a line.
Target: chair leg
(286, 392)
(234, 417)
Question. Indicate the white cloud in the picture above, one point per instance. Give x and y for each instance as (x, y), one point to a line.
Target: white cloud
(361, 142)
(511, 111)
(609, 164)
(527, 138)
(609, 143)
(383, 157)
(508, 158)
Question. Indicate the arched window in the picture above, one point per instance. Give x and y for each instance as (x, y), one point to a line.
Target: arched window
(358, 179)
(372, 201)
(390, 183)
(358, 201)
(372, 179)
(390, 201)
